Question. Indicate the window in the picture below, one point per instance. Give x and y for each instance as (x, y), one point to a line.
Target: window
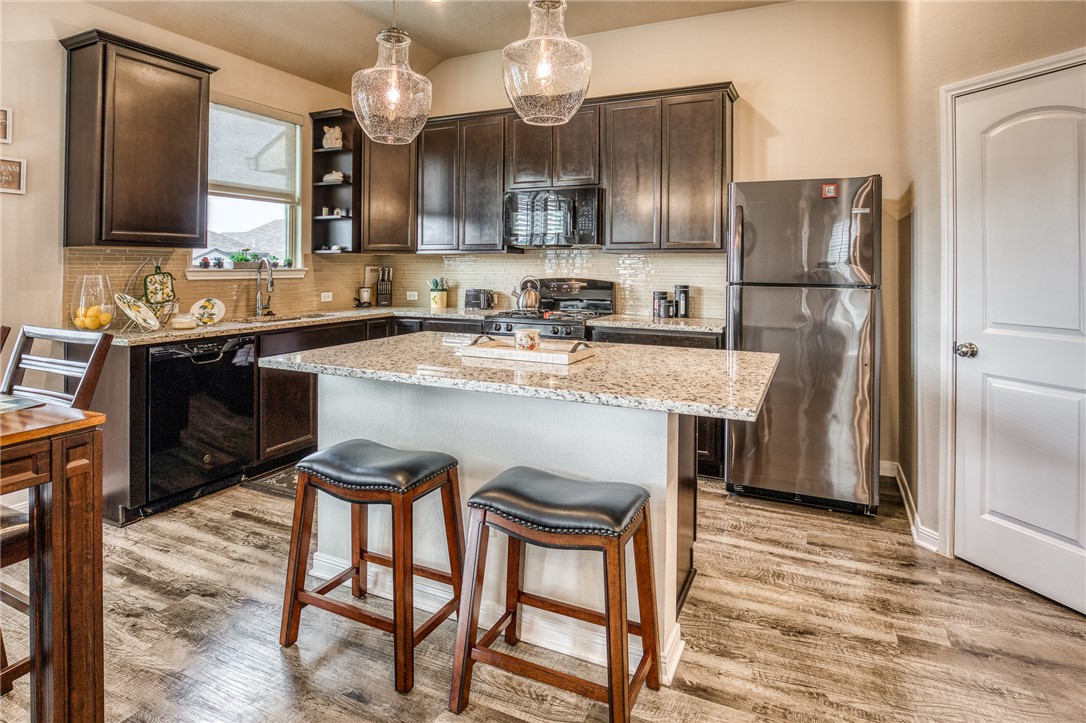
(253, 191)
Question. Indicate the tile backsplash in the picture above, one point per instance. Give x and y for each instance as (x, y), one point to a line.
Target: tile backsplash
(637, 275)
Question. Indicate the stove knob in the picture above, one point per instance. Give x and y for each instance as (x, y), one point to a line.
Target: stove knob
(567, 331)
(497, 327)
(508, 327)
(554, 330)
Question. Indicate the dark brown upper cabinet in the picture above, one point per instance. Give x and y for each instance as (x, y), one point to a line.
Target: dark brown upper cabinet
(388, 214)
(668, 160)
(481, 177)
(631, 174)
(439, 164)
(543, 156)
(460, 186)
(137, 134)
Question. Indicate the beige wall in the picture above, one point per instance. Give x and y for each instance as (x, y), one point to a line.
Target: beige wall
(942, 43)
(818, 97)
(33, 82)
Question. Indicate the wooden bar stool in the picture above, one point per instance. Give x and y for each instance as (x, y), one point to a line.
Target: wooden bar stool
(551, 511)
(363, 472)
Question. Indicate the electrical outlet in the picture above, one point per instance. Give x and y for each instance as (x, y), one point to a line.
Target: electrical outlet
(412, 296)
(326, 296)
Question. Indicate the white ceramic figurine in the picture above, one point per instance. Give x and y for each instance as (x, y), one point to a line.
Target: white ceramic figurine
(333, 137)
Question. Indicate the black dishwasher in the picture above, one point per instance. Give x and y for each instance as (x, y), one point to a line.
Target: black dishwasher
(200, 415)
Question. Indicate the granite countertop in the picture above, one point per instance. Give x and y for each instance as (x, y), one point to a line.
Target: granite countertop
(288, 321)
(629, 321)
(702, 382)
(295, 321)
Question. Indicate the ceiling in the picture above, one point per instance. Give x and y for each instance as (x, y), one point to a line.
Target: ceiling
(326, 41)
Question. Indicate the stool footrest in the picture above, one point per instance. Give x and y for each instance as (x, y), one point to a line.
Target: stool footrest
(335, 582)
(421, 570)
(495, 630)
(573, 611)
(436, 619)
(540, 673)
(348, 611)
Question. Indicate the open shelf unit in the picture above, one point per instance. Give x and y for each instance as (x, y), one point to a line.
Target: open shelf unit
(327, 230)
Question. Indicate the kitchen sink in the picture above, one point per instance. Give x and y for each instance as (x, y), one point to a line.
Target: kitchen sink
(276, 318)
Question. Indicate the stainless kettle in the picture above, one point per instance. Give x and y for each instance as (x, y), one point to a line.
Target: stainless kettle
(527, 297)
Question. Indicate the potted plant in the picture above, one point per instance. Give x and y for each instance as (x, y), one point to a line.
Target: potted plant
(244, 259)
(274, 261)
(218, 262)
(288, 263)
(205, 263)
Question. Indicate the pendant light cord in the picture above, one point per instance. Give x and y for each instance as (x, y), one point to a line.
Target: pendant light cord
(394, 14)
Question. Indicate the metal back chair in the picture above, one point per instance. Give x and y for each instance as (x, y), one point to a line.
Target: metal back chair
(84, 374)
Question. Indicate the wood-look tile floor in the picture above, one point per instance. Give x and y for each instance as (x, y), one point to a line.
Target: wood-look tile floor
(796, 614)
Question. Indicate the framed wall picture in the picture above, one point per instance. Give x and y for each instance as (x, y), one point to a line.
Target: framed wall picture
(12, 175)
(5, 125)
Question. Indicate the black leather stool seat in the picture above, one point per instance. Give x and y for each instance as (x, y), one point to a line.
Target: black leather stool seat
(552, 503)
(364, 465)
(14, 525)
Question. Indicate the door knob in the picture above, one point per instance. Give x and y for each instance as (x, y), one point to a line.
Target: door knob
(967, 350)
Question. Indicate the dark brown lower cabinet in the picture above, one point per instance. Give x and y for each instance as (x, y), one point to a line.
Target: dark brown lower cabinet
(287, 417)
(452, 326)
(406, 326)
(710, 431)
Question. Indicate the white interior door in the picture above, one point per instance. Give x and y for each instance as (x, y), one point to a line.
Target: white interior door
(1020, 484)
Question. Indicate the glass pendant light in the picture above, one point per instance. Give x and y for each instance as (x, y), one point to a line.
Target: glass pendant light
(546, 74)
(391, 101)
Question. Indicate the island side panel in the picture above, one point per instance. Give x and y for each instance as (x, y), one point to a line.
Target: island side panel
(492, 432)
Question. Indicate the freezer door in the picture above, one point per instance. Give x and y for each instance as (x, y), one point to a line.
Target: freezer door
(800, 232)
(818, 431)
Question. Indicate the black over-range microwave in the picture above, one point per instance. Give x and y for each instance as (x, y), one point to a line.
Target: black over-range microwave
(552, 217)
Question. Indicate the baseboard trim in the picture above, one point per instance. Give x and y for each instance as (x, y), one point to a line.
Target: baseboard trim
(539, 627)
(922, 536)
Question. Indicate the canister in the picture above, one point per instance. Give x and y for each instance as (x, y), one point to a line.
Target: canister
(657, 297)
(682, 301)
(667, 308)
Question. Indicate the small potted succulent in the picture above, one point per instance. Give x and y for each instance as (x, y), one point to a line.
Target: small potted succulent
(205, 263)
(218, 262)
(288, 263)
(244, 259)
(274, 261)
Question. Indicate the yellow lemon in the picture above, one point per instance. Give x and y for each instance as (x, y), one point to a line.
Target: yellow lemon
(79, 322)
(91, 322)
(93, 311)
(104, 318)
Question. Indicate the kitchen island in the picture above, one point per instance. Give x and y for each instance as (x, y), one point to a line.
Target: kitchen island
(626, 414)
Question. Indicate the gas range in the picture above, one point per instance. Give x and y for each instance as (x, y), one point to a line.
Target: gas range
(565, 306)
(551, 324)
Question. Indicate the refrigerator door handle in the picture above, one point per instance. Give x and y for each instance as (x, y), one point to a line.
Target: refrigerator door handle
(733, 331)
(735, 245)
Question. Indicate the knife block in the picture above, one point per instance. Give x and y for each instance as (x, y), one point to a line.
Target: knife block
(384, 293)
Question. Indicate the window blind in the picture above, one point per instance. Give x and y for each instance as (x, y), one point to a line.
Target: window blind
(250, 154)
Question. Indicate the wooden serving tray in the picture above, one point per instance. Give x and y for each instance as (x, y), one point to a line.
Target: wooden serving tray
(549, 352)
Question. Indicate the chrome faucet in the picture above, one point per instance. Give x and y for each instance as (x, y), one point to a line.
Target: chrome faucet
(261, 307)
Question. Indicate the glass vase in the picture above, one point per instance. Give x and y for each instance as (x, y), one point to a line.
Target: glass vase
(92, 304)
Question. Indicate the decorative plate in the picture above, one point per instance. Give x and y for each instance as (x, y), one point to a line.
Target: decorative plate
(208, 311)
(137, 311)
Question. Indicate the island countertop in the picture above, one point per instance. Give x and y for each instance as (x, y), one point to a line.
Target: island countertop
(701, 382)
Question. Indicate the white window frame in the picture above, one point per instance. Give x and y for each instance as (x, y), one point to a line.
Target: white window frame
(293, 206)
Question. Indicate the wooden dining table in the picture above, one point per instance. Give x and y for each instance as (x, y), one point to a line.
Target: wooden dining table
(55, 453)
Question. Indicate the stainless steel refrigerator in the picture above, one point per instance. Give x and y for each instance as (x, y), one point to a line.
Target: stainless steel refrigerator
(803, 281)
